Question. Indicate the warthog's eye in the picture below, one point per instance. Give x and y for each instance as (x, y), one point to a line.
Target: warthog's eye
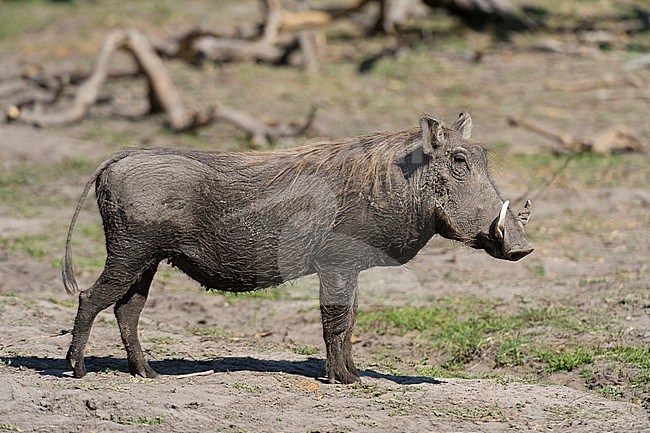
(459, 166)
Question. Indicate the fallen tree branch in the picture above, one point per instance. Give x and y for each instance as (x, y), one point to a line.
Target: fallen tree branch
(616, 139)
(261, 132)
(581, 85)
(163, 93)
(163, 96)
(566, 141)
(24, 93)
(281, 33)
(86, 94)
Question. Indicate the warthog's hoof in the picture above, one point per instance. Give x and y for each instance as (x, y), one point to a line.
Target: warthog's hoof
(143, 370)
(78, 365)
(344, 377)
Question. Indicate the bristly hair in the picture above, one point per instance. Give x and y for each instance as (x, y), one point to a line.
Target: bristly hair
(364, 161)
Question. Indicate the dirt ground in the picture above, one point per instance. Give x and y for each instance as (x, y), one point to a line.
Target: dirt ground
(255, 363)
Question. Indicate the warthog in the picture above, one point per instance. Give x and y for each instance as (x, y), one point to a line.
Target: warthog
(246, 221)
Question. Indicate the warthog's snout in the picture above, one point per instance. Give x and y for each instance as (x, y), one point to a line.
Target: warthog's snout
(506, 239)
(518, 252)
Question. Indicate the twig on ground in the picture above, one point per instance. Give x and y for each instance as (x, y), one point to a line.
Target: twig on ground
(198, 373)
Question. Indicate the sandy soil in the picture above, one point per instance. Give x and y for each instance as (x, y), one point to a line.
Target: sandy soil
(238, 364)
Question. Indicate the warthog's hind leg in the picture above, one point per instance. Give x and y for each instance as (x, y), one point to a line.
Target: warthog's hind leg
(338, 305)
(127, 312)
(112, 285)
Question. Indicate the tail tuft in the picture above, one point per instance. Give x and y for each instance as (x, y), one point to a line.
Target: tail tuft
(67, 274)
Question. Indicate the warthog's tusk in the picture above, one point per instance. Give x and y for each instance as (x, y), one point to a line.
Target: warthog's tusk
(501, 224)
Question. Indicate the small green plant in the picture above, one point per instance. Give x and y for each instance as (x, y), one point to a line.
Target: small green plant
(610, 392)
(537, 270)
(246, 387)
(366, 390)
(157, 420)
(305, 350)
(159, 346)
(210, 331)
(492, 412)
(160, 340)
(465, 339)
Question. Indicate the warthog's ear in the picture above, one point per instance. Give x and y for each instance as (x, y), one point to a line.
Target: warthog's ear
(432, 133)
(463, 125)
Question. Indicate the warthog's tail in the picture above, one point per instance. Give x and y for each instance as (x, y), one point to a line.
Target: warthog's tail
(67, 273)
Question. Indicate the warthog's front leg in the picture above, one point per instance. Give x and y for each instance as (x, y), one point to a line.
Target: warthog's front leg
(338, 306)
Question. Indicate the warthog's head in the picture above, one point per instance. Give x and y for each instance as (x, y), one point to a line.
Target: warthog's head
(468, 207)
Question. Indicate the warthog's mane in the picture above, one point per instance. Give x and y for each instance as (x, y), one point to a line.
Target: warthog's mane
(363, 162)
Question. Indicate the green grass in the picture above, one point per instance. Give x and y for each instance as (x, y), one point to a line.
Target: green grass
(24, 17)
(35, 246)
(68, 303)
(160, 340)
(511, 350)
(109, 135)
(638, 356)
(464, 330)
(47, 247)
(446, 326)
(585, 170)
(27, 190)
(564, 359)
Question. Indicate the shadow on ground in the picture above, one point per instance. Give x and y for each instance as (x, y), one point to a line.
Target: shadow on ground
(310, 367)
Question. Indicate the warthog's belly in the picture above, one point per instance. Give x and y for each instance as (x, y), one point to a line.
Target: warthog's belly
(237, 274)
(252, 253)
